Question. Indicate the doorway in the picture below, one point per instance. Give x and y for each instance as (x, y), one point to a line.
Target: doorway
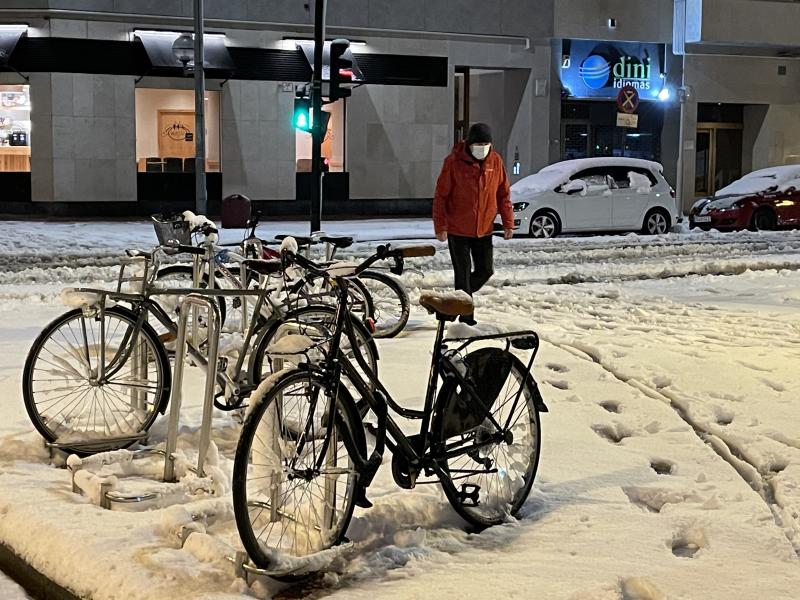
(718, 156)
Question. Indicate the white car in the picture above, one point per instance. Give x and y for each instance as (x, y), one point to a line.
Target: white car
(594, 194)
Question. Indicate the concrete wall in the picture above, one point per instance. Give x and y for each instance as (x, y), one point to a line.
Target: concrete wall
(645, 20)
(496, 17)
(743, 22)
(258, 140)
(83, 138)
(777, 135)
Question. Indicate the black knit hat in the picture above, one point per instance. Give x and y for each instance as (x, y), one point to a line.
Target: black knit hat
(479, 133)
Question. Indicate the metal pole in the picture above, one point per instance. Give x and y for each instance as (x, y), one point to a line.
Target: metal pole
(199, 112)
(316, 116)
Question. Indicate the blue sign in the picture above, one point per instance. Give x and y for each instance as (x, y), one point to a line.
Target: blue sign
(592, 69)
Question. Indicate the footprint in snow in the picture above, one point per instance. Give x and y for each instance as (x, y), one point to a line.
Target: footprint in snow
(556, 368)
(775, 385)
(662, 466)
(614, 433)
(558, 383)
(724, 417)
(639, 588)
(611, 406)
(686, 543)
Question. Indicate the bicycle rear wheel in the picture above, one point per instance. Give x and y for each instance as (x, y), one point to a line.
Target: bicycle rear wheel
(391, 306)
(67, 400)
(493, 471)
(294, 480)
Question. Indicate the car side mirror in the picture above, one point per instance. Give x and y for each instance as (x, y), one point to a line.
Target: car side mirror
(575, 186)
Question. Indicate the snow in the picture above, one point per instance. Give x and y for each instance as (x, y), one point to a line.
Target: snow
(641, 183)
(781, 178)
(550, 177)
(670, 456)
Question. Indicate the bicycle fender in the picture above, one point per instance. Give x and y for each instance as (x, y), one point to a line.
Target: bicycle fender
(538, 401)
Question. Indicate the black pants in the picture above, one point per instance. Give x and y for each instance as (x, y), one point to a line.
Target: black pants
(466, 253)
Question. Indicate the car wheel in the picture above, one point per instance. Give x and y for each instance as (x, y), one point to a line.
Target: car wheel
(656, 222)
(763, 220)
(544, 225)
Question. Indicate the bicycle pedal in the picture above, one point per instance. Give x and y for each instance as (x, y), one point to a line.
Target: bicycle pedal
(469, 495)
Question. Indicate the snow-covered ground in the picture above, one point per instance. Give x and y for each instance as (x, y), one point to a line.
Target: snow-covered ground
(670, 457)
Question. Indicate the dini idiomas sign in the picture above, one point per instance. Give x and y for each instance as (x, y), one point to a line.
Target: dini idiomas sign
(592, 69)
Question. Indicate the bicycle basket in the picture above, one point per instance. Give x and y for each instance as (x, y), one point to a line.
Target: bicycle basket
(171, 228)
(487, 371)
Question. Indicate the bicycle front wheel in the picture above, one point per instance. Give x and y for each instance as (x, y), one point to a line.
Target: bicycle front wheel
(491, 462)
(294, 479)
(90, 400)
(391, 306)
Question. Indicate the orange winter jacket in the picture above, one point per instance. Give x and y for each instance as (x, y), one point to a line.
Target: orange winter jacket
(470, 193)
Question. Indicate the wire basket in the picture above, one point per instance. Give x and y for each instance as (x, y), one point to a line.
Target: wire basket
(171, 228)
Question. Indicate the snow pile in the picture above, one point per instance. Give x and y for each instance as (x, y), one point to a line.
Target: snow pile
(202, 224)
(76, 299)
(763, 180)
(640, 183)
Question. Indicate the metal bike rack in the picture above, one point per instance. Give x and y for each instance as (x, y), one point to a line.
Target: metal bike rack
(109, 496)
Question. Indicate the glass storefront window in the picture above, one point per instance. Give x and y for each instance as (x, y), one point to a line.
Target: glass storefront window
(15, 129)
(165, 126)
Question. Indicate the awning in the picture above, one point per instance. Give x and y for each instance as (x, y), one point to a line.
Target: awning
(158, 45)
(9, 36)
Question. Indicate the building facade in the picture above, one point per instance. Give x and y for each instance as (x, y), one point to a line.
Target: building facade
(96, 118)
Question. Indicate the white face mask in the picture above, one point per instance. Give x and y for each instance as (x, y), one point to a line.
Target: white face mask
(480, 151)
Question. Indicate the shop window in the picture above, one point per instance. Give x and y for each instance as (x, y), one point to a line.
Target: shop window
(333, 154)
(15, 129)
(165, 131)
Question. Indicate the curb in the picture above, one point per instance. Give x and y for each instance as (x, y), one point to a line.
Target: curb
(34, 582)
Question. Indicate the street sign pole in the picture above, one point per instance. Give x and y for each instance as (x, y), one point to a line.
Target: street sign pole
(317, 132)
(199, 112)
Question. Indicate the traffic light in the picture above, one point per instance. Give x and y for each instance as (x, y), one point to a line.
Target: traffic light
(341, 70)
(302, 114)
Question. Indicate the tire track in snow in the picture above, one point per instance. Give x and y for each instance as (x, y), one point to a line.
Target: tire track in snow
(761, 483)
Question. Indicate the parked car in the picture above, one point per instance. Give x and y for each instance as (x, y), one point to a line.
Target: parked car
(594, 194)
(762, 200)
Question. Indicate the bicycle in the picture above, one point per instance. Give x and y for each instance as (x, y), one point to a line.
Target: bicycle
(301, 464)
(97, 376)
(237, 276)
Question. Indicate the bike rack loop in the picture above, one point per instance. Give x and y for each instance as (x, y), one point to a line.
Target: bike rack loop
(196, 301)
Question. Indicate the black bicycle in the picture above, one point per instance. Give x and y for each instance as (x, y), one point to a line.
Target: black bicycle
(302, 463)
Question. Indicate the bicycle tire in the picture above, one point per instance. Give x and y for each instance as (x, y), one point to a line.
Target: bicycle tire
(269, 432)
(160, 389)
(259, 354)
(480, 516)
(391, 306)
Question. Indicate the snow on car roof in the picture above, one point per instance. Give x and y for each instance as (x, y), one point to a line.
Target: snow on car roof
(554, 175)
(781, 178)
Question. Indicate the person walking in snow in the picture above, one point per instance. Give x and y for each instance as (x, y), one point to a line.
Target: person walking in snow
(471, 191)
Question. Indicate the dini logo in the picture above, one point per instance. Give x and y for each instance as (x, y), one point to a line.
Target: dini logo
(594, 71)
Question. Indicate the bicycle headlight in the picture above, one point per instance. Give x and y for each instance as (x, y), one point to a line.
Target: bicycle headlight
(520, 206)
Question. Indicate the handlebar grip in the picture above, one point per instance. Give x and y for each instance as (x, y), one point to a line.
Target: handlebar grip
(416, 251)
(189, 249)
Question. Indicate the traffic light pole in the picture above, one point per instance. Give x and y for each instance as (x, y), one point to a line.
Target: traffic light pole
(317, 132)
(200, 202)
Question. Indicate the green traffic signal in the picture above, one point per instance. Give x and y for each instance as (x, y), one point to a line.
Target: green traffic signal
(302, 114)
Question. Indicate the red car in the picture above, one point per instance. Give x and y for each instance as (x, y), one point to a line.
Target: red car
(766, 199)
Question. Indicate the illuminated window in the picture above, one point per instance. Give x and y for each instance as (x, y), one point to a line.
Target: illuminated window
(165, 130)
(15, 128)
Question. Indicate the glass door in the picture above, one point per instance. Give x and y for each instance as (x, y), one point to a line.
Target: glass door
(718, 156)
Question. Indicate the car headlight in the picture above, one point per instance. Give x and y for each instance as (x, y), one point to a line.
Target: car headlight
(520, 206)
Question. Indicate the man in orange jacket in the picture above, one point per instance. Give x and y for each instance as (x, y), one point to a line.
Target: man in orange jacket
(471, 190)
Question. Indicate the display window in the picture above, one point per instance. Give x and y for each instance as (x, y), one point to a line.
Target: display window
(165, 130)
(15, 129)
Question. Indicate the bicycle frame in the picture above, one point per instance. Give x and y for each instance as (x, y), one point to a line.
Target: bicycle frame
(380, 400)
